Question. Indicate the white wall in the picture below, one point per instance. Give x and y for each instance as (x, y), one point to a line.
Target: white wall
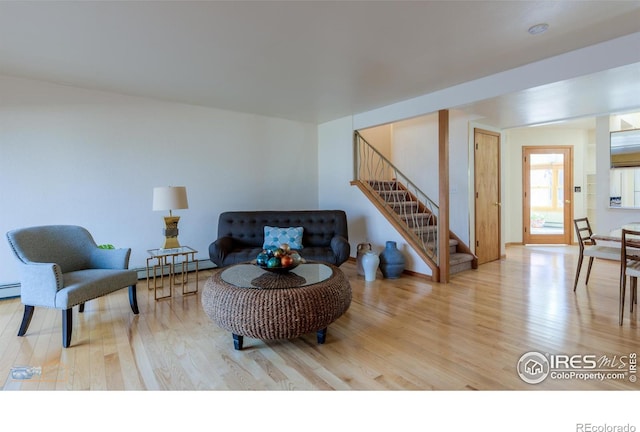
(380, 137)
(73, 156)
(415, 152)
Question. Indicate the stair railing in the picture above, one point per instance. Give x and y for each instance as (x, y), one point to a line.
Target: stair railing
(375, 171)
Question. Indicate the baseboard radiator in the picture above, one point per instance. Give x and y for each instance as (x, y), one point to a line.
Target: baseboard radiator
(12, 290)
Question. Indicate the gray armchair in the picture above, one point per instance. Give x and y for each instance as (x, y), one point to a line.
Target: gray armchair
(61, 266)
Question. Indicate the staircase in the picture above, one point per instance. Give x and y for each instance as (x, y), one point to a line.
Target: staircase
(423, 223)
(408, 209)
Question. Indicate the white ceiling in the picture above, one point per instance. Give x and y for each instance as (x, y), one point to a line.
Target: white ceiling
(314, 61)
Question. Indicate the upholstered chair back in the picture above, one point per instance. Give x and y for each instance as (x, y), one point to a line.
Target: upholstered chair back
(69, 246)
(320, 226)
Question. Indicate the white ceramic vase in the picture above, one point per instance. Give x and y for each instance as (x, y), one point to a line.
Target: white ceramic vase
(370, 262)
(362, 249)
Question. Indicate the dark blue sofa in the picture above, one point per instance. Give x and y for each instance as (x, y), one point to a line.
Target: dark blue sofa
(241, 235)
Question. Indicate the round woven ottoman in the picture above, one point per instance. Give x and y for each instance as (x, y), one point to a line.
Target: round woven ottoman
(248, 301)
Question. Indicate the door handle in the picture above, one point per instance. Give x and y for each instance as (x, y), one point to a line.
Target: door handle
(567, 201)
(497, 204)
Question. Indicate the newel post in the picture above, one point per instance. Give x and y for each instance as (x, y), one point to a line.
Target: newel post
(443, 192)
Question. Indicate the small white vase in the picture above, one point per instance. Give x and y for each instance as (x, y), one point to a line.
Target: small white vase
(362, 249)
(370, 262)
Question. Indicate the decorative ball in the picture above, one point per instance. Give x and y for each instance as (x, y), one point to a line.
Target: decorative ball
(273, 262)
(262, 259)
(297, 259)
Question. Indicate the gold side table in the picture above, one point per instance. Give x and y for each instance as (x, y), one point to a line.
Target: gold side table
(174, 259)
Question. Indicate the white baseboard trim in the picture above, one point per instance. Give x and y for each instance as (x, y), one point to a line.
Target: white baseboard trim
(13, 290)
(9, 291)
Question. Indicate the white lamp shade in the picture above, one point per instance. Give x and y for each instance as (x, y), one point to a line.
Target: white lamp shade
(170, 198)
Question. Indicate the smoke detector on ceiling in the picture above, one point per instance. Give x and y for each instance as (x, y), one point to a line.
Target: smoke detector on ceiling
(538, 28)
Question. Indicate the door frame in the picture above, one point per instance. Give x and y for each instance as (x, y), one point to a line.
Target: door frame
(567, 236)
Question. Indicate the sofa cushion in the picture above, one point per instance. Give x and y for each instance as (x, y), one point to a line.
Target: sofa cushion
(276, 236)
(84, 285)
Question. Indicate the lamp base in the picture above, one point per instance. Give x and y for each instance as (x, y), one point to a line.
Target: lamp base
(171, 232)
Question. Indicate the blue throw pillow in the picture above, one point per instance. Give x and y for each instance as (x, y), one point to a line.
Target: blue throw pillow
(275, 236)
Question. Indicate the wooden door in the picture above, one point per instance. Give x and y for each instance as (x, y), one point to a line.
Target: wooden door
(547, 190)
(487, 195)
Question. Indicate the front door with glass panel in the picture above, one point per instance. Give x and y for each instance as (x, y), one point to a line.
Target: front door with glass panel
(547, 210)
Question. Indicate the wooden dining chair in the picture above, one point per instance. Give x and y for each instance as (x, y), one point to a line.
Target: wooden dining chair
(629, 267)
(589, 248)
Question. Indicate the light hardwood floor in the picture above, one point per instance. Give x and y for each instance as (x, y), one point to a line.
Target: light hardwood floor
(404, 334)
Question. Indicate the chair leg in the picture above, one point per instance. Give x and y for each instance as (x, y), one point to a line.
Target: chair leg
(586, 282)
(575, 284)
(133, 299)
(623, 287)
(26, 319)
(67, 327)
(632, 291)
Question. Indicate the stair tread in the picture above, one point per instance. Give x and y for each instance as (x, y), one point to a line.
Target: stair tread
(458, 258)
(404, 203)
(418, 216)
(395, 193)
(452, 242)
(424, 229)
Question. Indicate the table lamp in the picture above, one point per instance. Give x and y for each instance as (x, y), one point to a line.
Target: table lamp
(170, 198)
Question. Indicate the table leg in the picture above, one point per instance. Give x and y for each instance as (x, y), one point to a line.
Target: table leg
(185, 269)
(152, 273)
(174, 273)
(321, 335)
(237, 341)
(148, 286)
(193, 257)
(161, 264)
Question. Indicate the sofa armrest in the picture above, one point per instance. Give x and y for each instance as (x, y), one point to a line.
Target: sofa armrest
(39, 283)
(110, 258)
(219, 249)
(341, 249)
